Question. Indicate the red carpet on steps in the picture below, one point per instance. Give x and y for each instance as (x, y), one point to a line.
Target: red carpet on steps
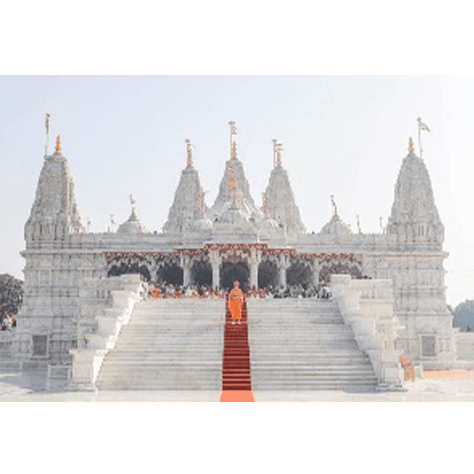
(236, 381)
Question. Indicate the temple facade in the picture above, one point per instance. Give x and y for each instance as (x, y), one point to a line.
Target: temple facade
(234, 238)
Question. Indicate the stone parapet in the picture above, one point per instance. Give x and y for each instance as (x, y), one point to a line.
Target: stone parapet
(367, 307)
(87, 360)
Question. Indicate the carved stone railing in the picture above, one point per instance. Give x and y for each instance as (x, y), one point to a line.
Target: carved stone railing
(367, 307)
(87, 360)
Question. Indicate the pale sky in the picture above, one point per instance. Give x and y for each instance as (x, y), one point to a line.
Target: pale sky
(342, 135)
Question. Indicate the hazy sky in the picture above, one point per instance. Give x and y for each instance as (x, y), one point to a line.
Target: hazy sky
(342, 135)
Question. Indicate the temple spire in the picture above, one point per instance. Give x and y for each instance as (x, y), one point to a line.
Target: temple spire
(189, 151)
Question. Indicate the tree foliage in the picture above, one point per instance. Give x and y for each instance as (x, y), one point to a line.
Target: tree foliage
(11, 294)
(464, 316)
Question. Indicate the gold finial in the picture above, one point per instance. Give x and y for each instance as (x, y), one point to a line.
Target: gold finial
(278, 149)
(189, 151)
(411, 146)
(233, 144)
(58, 144)
(233, 183)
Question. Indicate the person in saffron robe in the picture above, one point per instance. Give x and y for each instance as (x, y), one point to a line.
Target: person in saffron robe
(236, 299)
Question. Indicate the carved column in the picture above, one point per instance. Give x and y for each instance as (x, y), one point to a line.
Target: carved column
(215, 260)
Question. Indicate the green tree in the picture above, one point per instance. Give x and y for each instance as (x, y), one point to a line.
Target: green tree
(464, 315)
(11, 294)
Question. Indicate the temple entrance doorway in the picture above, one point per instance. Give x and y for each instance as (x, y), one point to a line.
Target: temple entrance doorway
(201, 273)
(299, 274)
(170, 273)
(231, 271)
(268, 274)
(125, 269)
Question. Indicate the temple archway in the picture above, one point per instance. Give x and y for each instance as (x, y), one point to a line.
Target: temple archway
(268, 274)
(170, 273)
(125, 269)
(201, 273)
(299, 273)
(231, 271)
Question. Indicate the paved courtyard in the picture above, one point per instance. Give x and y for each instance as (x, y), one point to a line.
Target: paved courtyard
(35, 387)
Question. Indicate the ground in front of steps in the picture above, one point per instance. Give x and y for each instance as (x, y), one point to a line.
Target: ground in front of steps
(456, 386)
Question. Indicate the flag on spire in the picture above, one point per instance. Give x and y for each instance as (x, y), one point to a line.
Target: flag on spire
(422, 125)
(48, 116)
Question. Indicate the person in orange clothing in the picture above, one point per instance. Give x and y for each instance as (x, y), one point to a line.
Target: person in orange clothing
(236, 299)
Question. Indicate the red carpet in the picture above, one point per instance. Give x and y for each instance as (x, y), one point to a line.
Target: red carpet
(236, 381)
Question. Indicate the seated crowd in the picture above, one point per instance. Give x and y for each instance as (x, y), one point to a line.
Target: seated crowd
(154, 290)
(7, 321)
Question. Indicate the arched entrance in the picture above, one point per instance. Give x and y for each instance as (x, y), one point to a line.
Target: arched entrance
(170, 273)
(268, 274)
(299, 273)
(231, 271)
(125, 269)
(201, 273)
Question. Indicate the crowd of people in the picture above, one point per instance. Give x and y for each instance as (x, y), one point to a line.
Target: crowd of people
(8, 321)
(154, 290)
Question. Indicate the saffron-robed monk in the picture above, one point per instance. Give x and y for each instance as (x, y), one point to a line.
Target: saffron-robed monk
(236, 299)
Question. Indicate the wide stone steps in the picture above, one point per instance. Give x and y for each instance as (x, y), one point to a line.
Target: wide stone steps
(179, 345)
(167, 345)
(312, 350)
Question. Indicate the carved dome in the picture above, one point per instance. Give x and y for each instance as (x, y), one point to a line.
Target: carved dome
(335, 227)
(234, 216)
(132, 225)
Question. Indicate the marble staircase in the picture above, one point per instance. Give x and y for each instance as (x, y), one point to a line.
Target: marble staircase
(168, 345)
(179, 345)
(304, 345)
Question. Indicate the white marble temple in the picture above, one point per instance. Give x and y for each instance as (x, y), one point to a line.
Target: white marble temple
(60, 253)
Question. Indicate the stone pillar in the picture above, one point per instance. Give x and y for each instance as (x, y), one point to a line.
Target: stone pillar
(316, 268)
(215, 262)
(186, 264)
(254, 261)
(282, 267)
